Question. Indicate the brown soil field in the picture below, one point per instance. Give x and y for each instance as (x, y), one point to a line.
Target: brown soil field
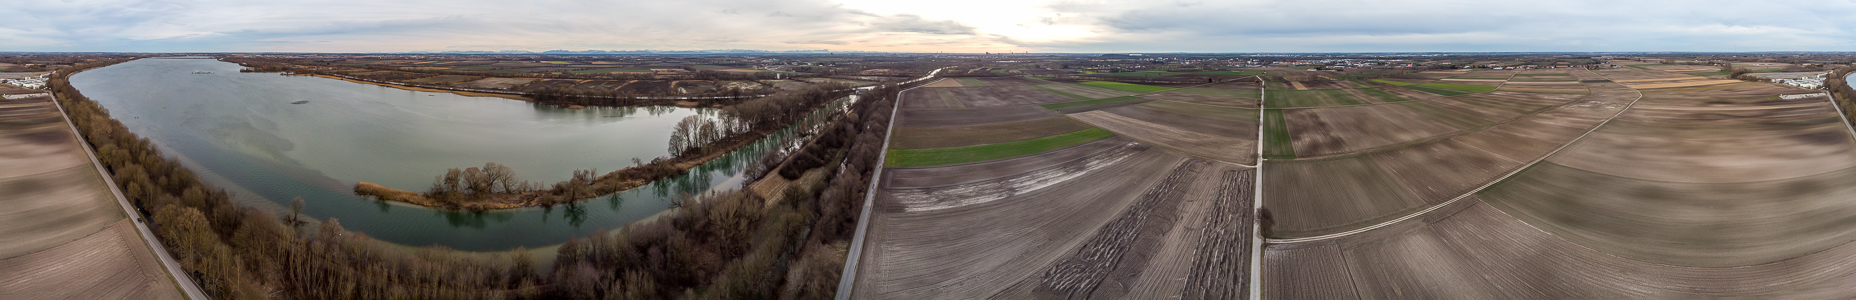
(1631, 75)
(1334, 84)
(1685, 224)
(1538, 79)
(1086, 91)
(976, 251)
(965, 116)
(958, 136)
(1357, 94)
(1508, 259)
(1148, 226)
(63, 234)
(1323, 196)
(1236, 145)
(496, 83)
(1487, 74)
(944, 83)
(1573, 89)
(549, 84)
(931, 98)
(1211, 111)
(1693, 83)
(1500, 106)
(1002, 96)
(445, 79)
(1441, 170)
(1009, 81)
(919, 177)
(1330, 131)
(1204, 99)
(53, 208)
(1717, 142)
(111, 263)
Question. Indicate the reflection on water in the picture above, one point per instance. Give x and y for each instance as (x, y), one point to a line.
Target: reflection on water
(241, 132)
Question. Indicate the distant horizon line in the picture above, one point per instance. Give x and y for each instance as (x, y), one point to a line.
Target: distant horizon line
(790, 52)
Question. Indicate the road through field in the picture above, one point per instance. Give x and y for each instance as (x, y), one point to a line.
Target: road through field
(167, 260)
(1426, 210)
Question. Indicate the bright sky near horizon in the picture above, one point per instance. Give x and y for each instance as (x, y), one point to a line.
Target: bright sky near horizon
(925, 26)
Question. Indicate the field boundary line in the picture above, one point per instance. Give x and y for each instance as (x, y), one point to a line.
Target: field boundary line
(848, 277)
(1504, 177)
(1256, 204)
(175, 273)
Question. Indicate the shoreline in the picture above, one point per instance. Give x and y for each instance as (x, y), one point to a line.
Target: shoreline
(431, 90)
(530, 199)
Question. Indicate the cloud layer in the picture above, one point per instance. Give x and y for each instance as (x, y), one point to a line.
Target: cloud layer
(930, 26)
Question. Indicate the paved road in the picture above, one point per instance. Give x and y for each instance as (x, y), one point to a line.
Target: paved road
(167, 260)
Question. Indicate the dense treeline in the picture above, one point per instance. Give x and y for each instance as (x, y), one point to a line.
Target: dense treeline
(737, 245)
(696, 139)
(238, 252)
(1840, 91)
(731, 245)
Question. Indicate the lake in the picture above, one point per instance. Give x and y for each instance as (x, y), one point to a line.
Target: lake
(247, 133)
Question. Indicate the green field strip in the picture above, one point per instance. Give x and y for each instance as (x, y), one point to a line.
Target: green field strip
(946, 156)
(1438, 91)
(1127, 86)
(1639, 68)
(1543, 74)
(1220, 92)
(1276, 143)
(1203, 110)
(1768, 70)
(1311, 98)
(1444, 115)
(1382, 95)
(1078, 97)
(1089, 102)
(1397, 83)
(1704, 74)
(970, 81)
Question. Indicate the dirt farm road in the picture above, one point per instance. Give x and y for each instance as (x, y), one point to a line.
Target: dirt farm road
(1465, 194)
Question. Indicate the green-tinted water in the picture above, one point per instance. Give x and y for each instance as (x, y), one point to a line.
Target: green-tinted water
(243, 133)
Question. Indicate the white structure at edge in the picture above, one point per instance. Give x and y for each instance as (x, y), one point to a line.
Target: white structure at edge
(30, 82)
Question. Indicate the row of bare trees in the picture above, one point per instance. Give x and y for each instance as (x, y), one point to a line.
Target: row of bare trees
(241, 252)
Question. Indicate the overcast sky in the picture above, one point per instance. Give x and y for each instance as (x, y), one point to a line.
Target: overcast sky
(924, 26)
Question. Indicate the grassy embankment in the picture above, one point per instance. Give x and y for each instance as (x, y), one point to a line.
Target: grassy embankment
(945, 156)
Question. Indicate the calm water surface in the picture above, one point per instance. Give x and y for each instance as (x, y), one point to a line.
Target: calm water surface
(243, 133)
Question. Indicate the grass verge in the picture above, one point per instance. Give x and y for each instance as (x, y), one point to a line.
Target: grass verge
(1276, 143)
(946, 156)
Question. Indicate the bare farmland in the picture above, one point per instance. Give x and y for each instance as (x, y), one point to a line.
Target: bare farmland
(63, 235)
